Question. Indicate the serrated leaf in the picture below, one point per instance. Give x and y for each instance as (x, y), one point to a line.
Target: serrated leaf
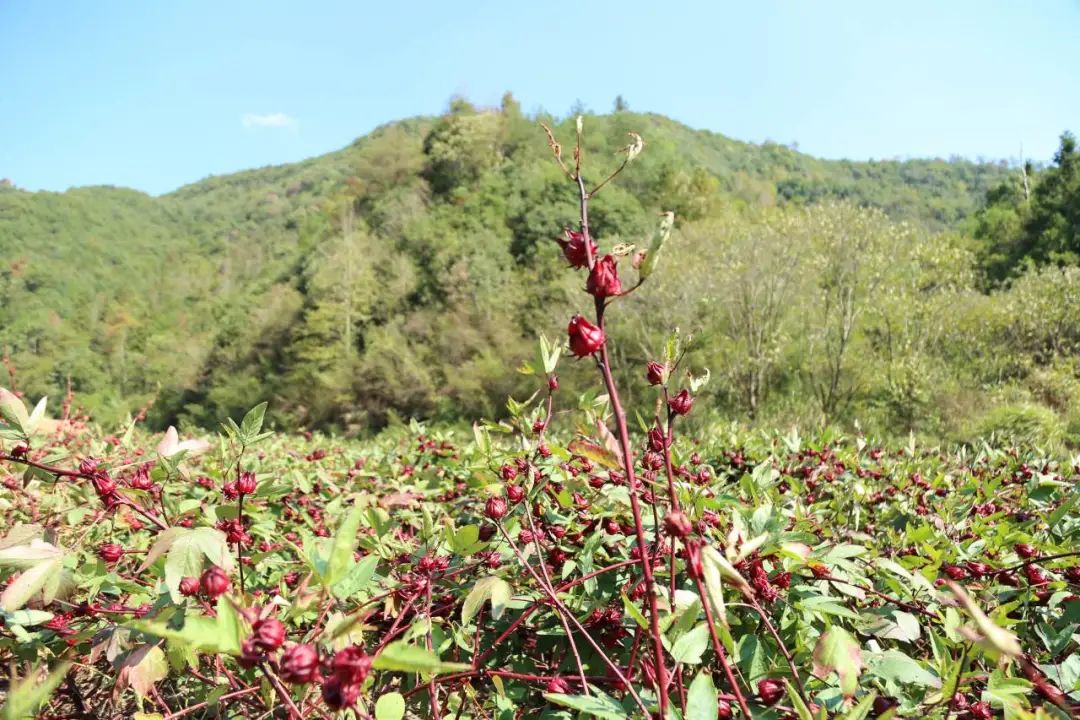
(836, 651)
(489, 588)
(251, 425)
(403, 657)
(690, 647)
(896, 666)
(28, 584)
(143, 667)
(343, 547)
(597, 705)
(357, 579)
(702, 702)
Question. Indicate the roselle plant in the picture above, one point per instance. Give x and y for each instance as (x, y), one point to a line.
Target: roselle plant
(561, 563)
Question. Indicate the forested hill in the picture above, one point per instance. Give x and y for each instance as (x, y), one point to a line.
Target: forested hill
(406, 274)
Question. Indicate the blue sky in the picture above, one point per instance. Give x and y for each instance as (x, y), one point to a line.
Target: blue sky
(153, 95)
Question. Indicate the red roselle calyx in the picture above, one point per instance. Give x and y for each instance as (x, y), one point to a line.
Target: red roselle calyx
(214, 582)
(656, 373)
(110, 552)
(189, 586)
(574, 249)
(604, 278)
(495, 508)
(585, 338)
(245, 484)
(682, 403)
(299, 664)
(770, 691)
(268, 634)
(677, 524)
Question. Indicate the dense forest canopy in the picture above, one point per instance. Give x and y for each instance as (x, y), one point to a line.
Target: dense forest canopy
(410, 274)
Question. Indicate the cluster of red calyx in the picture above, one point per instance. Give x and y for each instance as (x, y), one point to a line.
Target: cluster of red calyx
(348, 669)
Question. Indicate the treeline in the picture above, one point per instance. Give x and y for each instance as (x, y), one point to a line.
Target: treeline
(410, 274)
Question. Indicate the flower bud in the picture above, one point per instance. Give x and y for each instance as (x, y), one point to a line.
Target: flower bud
(677, 524)
(352, 665)
(557, 685)
(214, 582)
(269, 634)
(338, 695)
(141, 479)
(299, 664)
(770, 691)
(110, 552)
(103, 484)
(658, 440)
(553, 383)
(515, 493)
(604, 278)
(1026, 551)
(681, 403)
(189, 586)
(574, 249)
(656, 373)
(585, 338)
(495, 508)
(245, 484)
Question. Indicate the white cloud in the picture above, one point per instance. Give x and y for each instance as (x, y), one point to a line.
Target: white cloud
(269, 120)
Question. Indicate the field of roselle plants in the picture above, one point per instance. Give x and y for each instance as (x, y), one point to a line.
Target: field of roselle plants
(562, 562)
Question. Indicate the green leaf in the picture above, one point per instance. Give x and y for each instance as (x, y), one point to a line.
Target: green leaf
(1007, 693)
(252, 424)
(597, 705)
(404, 657)
(634, 613)
(390, 706)
(690, 647)
(27, 617)
(837, 651)
(896, 666)
(13, 412)
(862, 710)
(341, 552)
(358, 578)
(29, 583)
(701, 698)
(490, 588)
(143, 667)
(801, 709)
(220, 634)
